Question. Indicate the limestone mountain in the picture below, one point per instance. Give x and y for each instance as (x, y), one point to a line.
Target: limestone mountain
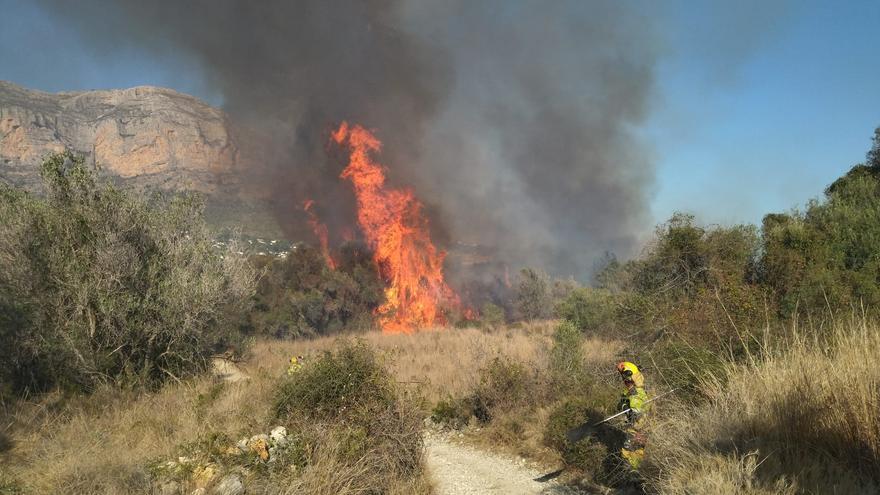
(143, 136)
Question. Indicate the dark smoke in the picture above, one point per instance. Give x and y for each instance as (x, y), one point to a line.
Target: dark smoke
(514, 120)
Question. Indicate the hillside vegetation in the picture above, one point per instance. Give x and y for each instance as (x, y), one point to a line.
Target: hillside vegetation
(112, 306)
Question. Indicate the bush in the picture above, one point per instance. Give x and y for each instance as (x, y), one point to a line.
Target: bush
(684, 367)
(491, 316)
(337, 383)
(591, 310)
(566, 362)
(504, 385)
(301, 295)
(99, 285)
(364, 429)
(798, 420)
(453, 413)
(533, 298)
(589, 454)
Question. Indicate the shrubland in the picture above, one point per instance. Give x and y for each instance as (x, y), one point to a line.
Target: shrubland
(301, 296)
(797, 418)
(111, 306)
(99, 285)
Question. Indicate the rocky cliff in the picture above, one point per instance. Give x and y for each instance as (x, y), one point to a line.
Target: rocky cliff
(144, 136)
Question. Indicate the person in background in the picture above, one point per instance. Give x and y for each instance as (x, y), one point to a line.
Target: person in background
(296, 364)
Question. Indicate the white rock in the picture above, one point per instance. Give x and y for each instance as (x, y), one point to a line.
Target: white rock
(243, 444)
(261, 436)
(169, 488)
(278, 434)
(229, 485)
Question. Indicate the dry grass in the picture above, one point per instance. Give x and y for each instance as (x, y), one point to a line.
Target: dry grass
(443, 362)
(800, 420)
(101, 444)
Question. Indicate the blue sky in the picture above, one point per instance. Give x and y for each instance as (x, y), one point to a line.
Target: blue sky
(761, 119)
(752, 114)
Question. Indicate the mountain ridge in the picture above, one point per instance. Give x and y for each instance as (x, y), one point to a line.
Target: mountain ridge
(146, 136)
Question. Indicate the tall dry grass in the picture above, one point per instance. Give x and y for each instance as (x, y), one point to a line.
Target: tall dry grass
(801, 417)
(103, 443)
(442, 362)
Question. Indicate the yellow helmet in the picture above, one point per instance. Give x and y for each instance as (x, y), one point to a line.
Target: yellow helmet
(630, 372)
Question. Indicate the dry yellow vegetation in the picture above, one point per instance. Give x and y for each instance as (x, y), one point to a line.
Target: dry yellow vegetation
(441, 362)
(103, 443)
(796, 418)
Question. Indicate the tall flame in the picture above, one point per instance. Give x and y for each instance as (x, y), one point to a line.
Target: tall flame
(397, 231)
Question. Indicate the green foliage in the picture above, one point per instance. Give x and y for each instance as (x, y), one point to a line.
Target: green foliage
(684, 366)
(590, 310)
(533, 299)
(586, 455)
(301, 295)
(349, 401)
(505, 384)
(337, 383)
(826, 258)
(100, 285)
(9, 486)
(566, 364)
(491, 316)
(451, 412)
(691, 280)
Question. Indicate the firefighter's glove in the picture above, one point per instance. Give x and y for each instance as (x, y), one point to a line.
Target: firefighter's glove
(623, 405)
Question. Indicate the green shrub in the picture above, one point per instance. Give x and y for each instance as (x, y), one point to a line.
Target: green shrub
(588, 454)
(588, 309)
(301, 295)
(336, 384)
(453, 413)
(359, 419)
(504, 385)
(533, 299)
(98, 284)
(491, 316)
(566, 361)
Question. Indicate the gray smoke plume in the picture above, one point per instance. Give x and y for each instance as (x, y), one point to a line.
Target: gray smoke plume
(513, 120)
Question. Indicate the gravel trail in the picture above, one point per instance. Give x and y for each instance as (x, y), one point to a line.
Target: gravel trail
(463, 470)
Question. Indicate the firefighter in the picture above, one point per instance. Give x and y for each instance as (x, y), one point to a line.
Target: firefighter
(296, 364)
(633, 398)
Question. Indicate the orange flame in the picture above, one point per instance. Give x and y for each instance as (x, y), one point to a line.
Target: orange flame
(320, 231)
(397, 232)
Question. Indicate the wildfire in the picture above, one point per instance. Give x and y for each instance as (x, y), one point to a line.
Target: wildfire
(397, 231)
(320, 231)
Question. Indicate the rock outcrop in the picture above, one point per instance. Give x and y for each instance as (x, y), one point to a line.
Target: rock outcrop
(145, 136)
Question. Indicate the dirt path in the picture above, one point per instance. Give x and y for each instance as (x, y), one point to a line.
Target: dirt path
(463, 470)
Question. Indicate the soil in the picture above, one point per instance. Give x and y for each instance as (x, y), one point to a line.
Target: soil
(463, 470)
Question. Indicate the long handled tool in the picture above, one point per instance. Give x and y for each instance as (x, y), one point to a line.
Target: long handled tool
(578, 433)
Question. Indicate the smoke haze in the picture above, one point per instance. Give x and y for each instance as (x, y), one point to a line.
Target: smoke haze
(514, 121)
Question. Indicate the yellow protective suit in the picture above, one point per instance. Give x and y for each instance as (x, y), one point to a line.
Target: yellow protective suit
(635, 398)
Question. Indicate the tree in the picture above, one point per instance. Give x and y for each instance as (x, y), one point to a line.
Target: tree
(301, 295)
(99, 285)
(532, 299)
